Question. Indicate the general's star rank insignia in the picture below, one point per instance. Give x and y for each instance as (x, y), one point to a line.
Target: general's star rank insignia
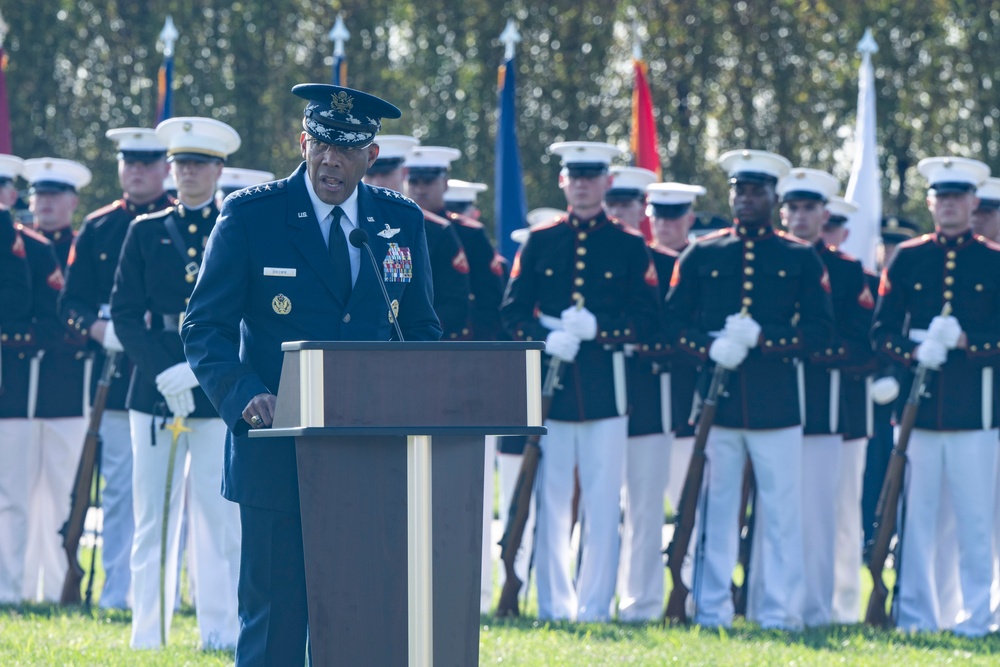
(281, 304)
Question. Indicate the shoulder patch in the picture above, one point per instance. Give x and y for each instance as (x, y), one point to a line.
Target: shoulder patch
(865, 299)
(651, 278)
(104, 210)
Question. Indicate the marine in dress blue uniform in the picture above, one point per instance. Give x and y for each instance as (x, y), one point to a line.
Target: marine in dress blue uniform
(805, 194)
(63, 370)
(952, 449)
(582, 255)
(754, 300)
(156, 272)
(85, 305)
(273, 238)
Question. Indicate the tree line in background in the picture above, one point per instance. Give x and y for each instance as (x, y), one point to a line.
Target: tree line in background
(779, 75)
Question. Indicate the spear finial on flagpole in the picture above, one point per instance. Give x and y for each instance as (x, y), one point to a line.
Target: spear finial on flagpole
(4, 28)
(867, 43)
(636, 42)
(338, 35)
(169, 37)
(509, 38)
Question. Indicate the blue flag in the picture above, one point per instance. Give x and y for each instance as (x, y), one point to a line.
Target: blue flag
(511, 202)
(339, 71)
(165, 85)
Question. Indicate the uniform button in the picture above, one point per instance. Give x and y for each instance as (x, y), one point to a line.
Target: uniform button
(749, 256)
(608, 275)
(465, 332)
(472, 297)
(582, 236)
(684, 339)
(548, 272)
(748, 285)
(616, 332)
(951, 254)
(768, 343)
(103, 256)
(578, 282)
(748, 245)
(948, 295)
(747, 301)
(918, 287)
(581, 265)
(829, 350)
(986, 346)
(192, 252)
(520, 333)
(888, 346)
(347, 317)
(979, 288)
(628, 332)
(748, 270)
(189, 278)
(187, 301)
(782, 341)
(576, 296)
(906, 355)
(715, 274)
(781, 273)
(949, 280)
(3, 337)
(193, 228)
(604, 334)
(17, 336)
(795, 340)
(949, 265)
(581, 251)
(972, 348)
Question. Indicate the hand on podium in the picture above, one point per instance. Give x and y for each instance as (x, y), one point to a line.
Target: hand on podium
(259, 412)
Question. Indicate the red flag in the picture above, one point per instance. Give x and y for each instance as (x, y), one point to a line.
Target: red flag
(643, 138)
(5, 141)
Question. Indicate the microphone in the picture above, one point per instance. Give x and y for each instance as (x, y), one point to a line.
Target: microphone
(359, 239)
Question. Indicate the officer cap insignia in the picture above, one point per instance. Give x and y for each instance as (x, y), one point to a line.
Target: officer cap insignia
(281, 304)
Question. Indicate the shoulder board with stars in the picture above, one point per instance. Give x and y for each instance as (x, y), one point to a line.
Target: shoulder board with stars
(392, 196)
(256, 192)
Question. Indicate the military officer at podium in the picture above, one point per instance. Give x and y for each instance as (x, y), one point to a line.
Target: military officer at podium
(586, 285)
(156, 273)
(278, 268)
(84, 303)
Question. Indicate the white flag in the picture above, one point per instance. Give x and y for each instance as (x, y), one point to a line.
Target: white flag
(865, 185)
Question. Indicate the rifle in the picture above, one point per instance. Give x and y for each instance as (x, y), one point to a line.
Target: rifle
(888, 502)
(748, 501)
(72, 530)
(517, 515)
(687, 506)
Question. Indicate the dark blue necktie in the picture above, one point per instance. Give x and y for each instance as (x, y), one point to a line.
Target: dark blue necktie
(339, 255)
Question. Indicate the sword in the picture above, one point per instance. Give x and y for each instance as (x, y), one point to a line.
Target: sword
(176, 428)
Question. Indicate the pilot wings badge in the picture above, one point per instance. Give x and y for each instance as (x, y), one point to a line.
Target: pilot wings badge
(388, 232)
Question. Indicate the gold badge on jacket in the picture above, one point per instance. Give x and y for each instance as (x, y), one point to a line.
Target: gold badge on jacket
(395, 310)
(281, 304)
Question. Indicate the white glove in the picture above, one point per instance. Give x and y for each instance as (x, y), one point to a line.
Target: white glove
(580, 322)
(742, 329)
(110, 340)
(176, 379)
(931, 353)
(180, 404)
(945, 330)
(727, 352)
(563, 345)
(885, 390)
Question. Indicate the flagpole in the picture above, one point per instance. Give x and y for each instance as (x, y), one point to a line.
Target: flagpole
(510, 201)
(338, 35)
(165, 78)
(865, 185)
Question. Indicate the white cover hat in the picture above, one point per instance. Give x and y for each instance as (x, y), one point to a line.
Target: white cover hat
(989, 192)
(197, 138)
(48, 174)
(395, 146)
(953, 174)
(630, 180)
(233, 178)
(585, 156)
(11, 166)
(754, 166)
(671, 200)
(802, 183)
(461, 192)
(137, 140)
(838, 206)
(431, 157)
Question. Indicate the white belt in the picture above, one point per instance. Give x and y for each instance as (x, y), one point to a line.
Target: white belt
(918, 335)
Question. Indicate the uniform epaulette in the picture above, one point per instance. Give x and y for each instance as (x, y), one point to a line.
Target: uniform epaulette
(669, 252)
(718, 233)
(989, 243)
(104, 210)
(162, 213)
(29, 233)
(791, 237)
(433, 217)
(627, 228)
(920, 240)
(554, 222)
(465, 222)
(392, 196)
(255, 192)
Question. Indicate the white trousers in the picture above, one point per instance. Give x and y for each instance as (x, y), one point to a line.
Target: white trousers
(680, 459)
(486, 583)
(116, 501)
(597, 449)
(965, 461)
(849, 540)
(509, 466)
(776, 455)
(820, 482)
(214, 531)
(641, 571)
(55, 449)
(15, 454)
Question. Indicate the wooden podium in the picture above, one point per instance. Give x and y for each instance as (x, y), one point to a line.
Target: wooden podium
(389, 446)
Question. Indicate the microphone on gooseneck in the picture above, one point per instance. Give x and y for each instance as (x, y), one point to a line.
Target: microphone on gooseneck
(359, 239)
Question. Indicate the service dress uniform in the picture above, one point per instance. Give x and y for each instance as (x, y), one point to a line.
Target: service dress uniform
(85, 300)
(62, 369)
(18, 343)
(952, 449)
(608, 266)
(273, 240)
(160, 258)
(780, 283)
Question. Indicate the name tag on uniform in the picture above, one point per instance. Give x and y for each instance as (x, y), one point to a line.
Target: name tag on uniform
(283, 273)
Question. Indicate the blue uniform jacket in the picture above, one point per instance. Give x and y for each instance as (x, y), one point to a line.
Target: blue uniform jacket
(267, 278)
